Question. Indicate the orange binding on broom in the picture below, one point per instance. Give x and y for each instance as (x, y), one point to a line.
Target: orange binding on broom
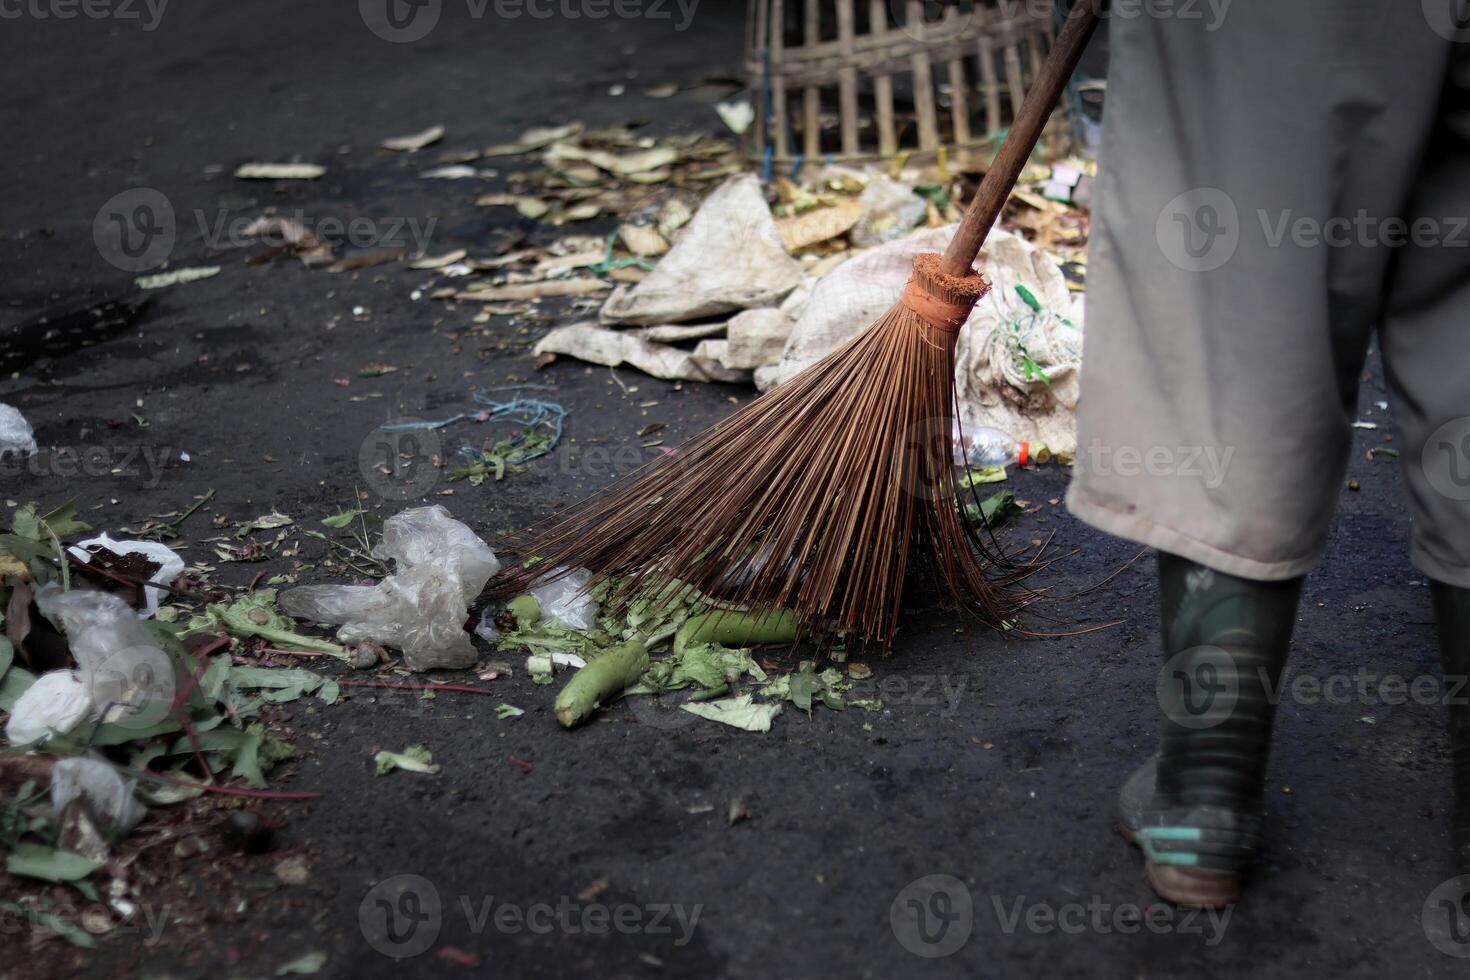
(813, 496)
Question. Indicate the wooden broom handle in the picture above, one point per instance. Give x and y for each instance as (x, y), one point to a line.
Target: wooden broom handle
(1025, 130)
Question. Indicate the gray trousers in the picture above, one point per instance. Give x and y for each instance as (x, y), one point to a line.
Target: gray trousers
(1276, 182)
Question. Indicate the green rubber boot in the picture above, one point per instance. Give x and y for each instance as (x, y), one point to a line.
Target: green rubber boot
(1452, 613)
(1195, 808)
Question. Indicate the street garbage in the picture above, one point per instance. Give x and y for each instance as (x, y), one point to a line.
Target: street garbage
(729, 257)
(984, 447)
(588, 341)
(16, 434)
(421, 608)
(123, 673)
(564, 599)
(600, 681)
(890, 211)
(54, 705)
(170, 565)
(1018, 357)
(107, 797)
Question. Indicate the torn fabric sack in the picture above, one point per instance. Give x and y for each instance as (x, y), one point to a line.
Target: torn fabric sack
(728, 258)
(1018, 357)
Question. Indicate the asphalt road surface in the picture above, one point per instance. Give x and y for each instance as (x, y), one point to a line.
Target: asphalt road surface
(995, 761)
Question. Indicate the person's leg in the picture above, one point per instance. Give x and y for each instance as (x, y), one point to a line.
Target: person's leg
(1452, 611)
(1426, 349)
(1195, 808)
(1232, 292)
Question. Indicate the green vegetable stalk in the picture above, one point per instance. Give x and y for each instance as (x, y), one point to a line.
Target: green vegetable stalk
(600, 681)
(737, 629)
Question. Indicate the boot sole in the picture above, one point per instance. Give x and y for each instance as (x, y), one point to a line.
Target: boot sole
(1190, 887)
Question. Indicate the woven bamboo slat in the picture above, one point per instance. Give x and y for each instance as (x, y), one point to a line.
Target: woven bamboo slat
(905, 78)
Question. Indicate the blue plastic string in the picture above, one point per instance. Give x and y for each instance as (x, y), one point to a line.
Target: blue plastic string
(529, 412)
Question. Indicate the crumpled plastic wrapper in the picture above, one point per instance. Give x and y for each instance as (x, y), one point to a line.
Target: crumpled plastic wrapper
(564, 601)
(123, 676)
(107, 797)
(16, 434)
(890, 211)
(728, 258)
(995, 386)
(440, 567)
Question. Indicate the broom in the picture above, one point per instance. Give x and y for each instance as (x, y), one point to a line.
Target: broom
(813, 497)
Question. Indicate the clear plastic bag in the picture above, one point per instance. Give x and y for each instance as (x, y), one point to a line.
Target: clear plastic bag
(107, 797)
(564, 601)
(890, 211)
(440, 567)
(128, 677)
(16, 434)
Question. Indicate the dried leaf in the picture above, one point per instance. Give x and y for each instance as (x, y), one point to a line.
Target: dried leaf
(534, 290)
(279, 171)
(177, 277)
(366, 260)
(643, 240)
(456, 171)
(438, 261)
(534, 139)
(410, 144)
(819, 225)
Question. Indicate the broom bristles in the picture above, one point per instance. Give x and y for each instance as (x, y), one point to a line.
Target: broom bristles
(813, 497)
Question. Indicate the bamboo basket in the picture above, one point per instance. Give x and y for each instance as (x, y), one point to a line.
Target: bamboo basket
(908, 77)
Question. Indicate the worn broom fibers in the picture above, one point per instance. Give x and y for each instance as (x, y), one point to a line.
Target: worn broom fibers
(820, 496)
